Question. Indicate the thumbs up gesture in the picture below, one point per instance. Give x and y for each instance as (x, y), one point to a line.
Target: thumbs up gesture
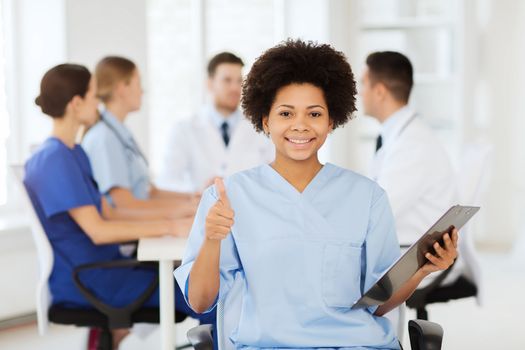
(220, 217)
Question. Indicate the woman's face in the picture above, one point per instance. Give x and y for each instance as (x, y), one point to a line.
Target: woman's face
(131, 92)
(87, 107)
(298, 122)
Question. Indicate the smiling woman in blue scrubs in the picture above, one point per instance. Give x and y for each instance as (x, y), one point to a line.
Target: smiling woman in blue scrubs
(306, 238)
(80, 225)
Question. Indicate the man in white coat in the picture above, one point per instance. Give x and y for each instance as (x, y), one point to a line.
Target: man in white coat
(218, 141)
(410, 163)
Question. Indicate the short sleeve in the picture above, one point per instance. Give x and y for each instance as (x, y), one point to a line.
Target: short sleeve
(108, 159)
(229, 259)
(381, 244)
(59, 184)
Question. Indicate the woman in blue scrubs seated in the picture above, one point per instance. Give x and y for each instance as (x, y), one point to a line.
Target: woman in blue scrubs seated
(80, 225)
(307, 239)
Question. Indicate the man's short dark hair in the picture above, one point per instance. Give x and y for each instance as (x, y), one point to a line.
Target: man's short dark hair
(299, 62)
(223, 57)
(394, 70)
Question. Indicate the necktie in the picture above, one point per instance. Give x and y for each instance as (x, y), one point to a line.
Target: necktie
(379, 143)
(225, 134)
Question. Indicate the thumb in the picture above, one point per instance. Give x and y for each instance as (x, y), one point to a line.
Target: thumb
(221, 190)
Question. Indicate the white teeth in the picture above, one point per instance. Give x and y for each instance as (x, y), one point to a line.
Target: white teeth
(299, 141)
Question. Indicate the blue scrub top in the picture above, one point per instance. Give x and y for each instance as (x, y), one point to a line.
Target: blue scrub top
(304, 258)
(116, 158)
(59, 179)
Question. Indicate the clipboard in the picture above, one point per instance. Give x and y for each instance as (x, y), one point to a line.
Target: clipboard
(414, 258)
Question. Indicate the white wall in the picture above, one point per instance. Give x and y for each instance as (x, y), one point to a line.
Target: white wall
(97, 28)
(496, 112)
(18, 273)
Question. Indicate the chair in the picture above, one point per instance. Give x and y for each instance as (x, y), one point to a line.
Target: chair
(424, 335)
(472, 183)
(101, 316)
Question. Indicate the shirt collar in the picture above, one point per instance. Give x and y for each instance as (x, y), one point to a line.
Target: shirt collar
(392, 125)
(218, 119)
(116, 125)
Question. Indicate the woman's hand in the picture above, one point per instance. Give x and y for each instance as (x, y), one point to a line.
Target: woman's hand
(442, 260)
(220, 217)
(444, 256)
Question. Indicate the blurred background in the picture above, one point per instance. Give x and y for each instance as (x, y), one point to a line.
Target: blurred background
(469, 66)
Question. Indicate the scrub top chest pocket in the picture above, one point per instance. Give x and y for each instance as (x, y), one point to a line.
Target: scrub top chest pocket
(341, 274)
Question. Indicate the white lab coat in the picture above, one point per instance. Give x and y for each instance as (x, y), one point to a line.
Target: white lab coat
(415, 171)
(196, 153)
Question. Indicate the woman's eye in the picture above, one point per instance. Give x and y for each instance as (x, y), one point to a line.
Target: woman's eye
(285, 114)
(315, 114)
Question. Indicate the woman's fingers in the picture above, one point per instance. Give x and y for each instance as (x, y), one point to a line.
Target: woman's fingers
(221, 191)
(220, 209)
(220, 222)
(440, 252)
(220, 217)
(455, 237)
(433, 259)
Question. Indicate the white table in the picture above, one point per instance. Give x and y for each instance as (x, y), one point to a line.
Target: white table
(165, 250)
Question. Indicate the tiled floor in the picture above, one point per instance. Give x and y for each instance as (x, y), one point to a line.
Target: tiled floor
(496, 325)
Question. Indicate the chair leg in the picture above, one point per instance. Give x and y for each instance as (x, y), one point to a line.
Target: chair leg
(422, 313)
(106, 340)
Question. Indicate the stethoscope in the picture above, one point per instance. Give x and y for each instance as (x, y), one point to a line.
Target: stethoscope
(132, 148)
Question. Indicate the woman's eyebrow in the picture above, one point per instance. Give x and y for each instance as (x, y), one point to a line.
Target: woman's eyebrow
(287, 106)
(309, 107)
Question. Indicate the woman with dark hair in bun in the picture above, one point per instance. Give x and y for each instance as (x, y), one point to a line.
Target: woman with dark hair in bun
(305, 239)
(80, 225)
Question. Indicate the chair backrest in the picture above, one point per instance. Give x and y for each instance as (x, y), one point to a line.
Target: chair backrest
(44, 252)
(473, 178)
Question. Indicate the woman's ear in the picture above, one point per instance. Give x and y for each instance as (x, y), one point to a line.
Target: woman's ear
(331, 126)
(266, 129)
(119, 89)
(76, 102)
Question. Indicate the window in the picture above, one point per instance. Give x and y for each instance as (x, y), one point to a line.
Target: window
(26, 27)
(4, 117)
(182, 36)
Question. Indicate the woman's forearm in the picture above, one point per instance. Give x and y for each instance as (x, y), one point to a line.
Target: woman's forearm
(402, 294)
(156, 193)
(102, 231)
(171, 208)
(133, 214)
(204, 277)
(116, 231)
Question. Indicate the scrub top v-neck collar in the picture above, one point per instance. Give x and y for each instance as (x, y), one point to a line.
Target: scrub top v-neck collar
(313, 187)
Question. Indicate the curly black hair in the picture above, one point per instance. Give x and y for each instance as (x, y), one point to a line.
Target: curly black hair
(297, 62)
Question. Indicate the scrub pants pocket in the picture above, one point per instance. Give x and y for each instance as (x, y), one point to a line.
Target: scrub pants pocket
(341, 274)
